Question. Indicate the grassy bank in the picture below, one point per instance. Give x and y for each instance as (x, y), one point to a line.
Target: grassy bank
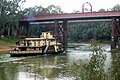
(6, 43)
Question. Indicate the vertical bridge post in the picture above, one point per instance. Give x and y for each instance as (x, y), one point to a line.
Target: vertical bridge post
(118, 32)
(24, 24)
(56, 29)
(113, 34)
(65, 35)
(27, 28)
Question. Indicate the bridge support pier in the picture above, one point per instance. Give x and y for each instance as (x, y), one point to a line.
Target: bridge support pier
(113, 34)
(58, 32)
(56, 29)
(27, 29)
(61, 33)
(118, 33)
(65, 35)
(24, 24)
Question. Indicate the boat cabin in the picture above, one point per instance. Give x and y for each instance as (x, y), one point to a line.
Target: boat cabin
(46, 43)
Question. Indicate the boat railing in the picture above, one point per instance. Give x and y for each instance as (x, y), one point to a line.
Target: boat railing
(17, 52)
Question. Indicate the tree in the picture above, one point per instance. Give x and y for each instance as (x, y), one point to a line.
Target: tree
(10, 15)
(52, 9)
(102, 10)
(116, 8)
(76, 11)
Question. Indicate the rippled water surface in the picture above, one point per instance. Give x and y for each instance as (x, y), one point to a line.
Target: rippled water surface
(45, 67)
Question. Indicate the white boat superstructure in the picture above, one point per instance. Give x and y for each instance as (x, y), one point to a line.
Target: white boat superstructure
(45, 44)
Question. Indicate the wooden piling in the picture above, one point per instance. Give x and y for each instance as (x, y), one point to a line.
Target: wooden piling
(113, 34)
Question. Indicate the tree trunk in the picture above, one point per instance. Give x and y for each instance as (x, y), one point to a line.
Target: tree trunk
(8, 31)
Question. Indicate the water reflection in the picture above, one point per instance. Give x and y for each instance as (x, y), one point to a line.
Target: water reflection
(8, 71)
(49, 67)
(34, 67)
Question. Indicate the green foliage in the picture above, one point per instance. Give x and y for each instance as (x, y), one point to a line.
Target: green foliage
(116, 7)
(39, 10)
(102, 10)
(97, 60)
(92, 69)
(11, 13)
(87, 31)
(10, 40)
(114, 71)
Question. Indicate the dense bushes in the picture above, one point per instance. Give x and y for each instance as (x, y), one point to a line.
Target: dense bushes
(89, 30)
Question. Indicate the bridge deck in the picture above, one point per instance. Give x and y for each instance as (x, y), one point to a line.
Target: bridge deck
(74, 16)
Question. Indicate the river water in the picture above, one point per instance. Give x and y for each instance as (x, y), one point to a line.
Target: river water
(45, 67)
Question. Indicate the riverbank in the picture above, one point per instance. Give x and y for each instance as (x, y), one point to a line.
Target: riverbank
(4, 46)
(6, 43)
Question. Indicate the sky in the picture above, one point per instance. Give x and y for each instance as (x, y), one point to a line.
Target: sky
(68, 6)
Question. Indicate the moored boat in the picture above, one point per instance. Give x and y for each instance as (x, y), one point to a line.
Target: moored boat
(45, 44)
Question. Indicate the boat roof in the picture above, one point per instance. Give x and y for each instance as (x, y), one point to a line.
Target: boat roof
(39, 38)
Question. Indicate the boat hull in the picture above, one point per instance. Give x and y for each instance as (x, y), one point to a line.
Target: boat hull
(28, 53)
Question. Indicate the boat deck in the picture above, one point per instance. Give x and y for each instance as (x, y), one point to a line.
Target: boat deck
(24, 52)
